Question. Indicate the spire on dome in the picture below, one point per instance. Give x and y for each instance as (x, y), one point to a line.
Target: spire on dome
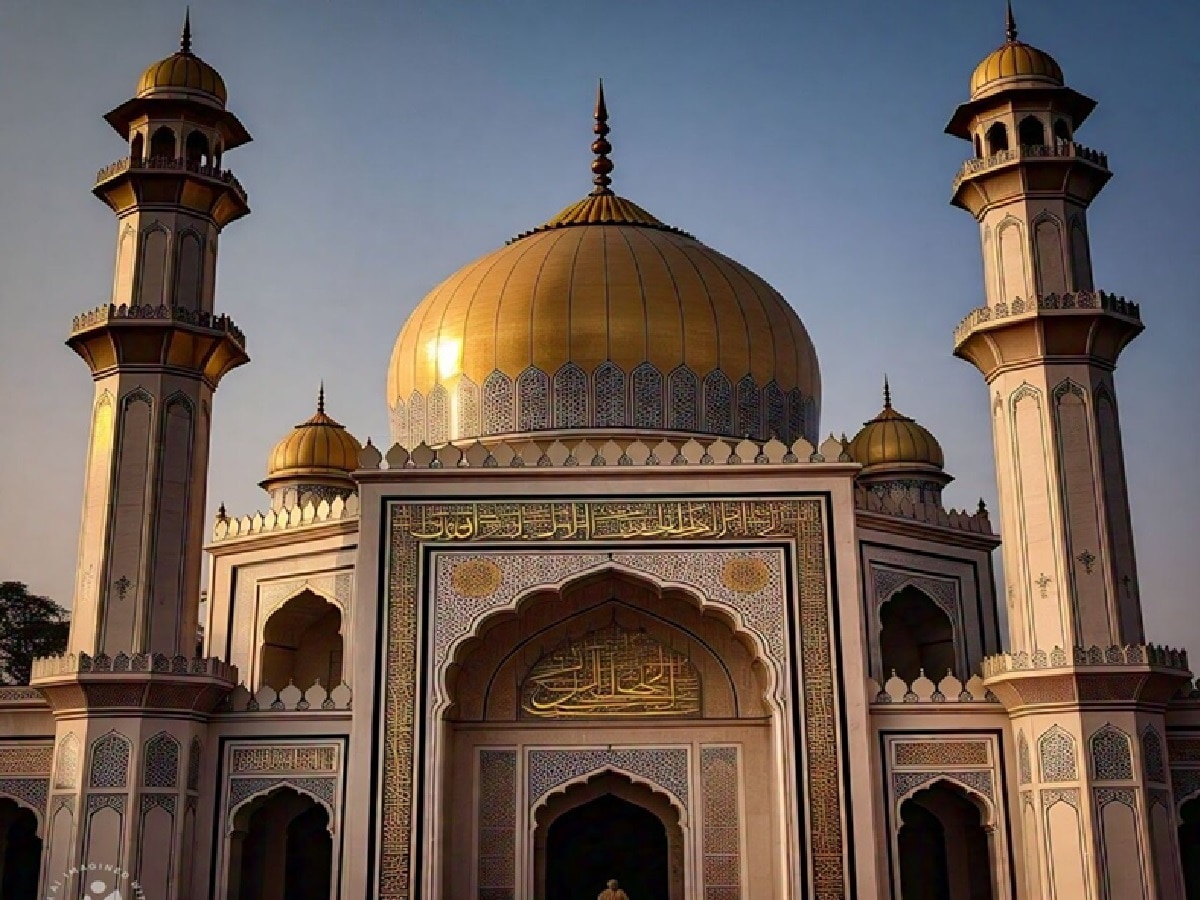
(1010, 24)
(321, 398)
(887, 393)
(185, 37)
(601, 166)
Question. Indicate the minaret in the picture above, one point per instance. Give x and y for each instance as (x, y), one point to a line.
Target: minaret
(129, 698)
(1086, 695)
(157, 352)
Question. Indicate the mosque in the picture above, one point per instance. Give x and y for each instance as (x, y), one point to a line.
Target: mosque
(607, 606)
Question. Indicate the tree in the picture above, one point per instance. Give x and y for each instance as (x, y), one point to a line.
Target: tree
(30, 626)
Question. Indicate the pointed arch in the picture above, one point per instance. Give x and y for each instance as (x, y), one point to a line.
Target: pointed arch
(1057, 755)
(1024, 769)
(189, 270)
(997, 138)
(437, 425)
(416, 419)
(647, 394)
(160, 761)
(498, 404)
(1111, 753)
(570, 397)
(916, 634)
(1031, 132)
(467, 418)
(66, 762)
(533, 400)
(162, 145)
(109, 767)
(683, 388)
(302, 642)
(749, 408)
(718, 403)
(610, 396)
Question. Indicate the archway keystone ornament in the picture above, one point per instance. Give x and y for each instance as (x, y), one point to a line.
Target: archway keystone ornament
(797, 523)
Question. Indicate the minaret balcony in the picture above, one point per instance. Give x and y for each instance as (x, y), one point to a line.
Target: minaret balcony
(1091, 164)
(160, 179)
(191, 341)
(1085, 324)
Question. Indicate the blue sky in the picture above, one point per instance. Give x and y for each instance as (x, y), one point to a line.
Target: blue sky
(395, 142)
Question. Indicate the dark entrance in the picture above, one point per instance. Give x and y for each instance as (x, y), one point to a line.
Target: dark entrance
(20, 852)
(1189, 846)
(606, 838)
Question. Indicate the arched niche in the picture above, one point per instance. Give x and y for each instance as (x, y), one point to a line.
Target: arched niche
(944, 845)
(629, 832)
(162, 143)
(20, 851)
(997, 138)
(280, 848)
(915, 635)
(488, 673)
(1031, 132)
(302, 643)
(196, 149)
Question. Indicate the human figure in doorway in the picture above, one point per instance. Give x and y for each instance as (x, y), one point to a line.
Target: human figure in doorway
(613, 892)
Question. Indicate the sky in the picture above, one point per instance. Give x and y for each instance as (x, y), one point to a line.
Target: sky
(396, 142)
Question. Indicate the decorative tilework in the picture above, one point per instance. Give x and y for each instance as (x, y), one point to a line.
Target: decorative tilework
(322, 789)
(533, 400)
(776, 411)
(647, 397)
(570, 406)
(25, 760)
(797, 520)
(1152, 756)
(665, 767)
(1186, 784)
(942, 591)
(97, 802)
(398, 420)
(497, 822)
(498, 406)
(416, 417)
(31, 792)
(66, 767)
(721, 834)
(718, 403)
(749, 413)
(942, 753)
(1023, 767)
(610, 396)
(1106, 795)
(193, 776)
(160, 764)
(1057, 756)
(165, 801)
(905, 784)
(110, 761)
(1070, 796)
(468, 406)
(683, 388)
(1112, 759)
(284, 759)
(437, 425)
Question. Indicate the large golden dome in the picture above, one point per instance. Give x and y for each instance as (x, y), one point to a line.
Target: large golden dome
(603, 318)
(1014, 64)
(183, 74)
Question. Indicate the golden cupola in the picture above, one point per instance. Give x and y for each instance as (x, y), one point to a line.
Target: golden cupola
(895, 450)
(1014, 64)
(183, 75)
(603, 319)
(315, 459)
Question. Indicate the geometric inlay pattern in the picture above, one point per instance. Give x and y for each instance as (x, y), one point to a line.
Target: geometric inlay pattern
(284, 759)
(903, 783)
(1152, 756)
(323, 789)
(26, 760)
(942, 591)
(161, 762)
(1112, 759)
(66, 767)
(110, 761)
(745, 575)
(722, 833)
(796, 521)
(1056, 752)
(942, 753)
(666, 767)
(497, 823)
(30, 791)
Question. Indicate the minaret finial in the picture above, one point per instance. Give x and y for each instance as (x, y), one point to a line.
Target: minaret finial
(1010, 25)
(185, 38)
(887, 393)
(601, 166)
(321, 398)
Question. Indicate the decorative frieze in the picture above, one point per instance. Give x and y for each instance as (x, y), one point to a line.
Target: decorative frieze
(497, 816)
(31, 792)
(664, 767)
(721, 836)
(26, 760)
(324, 790)
(283, 759)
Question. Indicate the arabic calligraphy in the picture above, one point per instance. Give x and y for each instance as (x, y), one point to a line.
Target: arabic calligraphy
(611, 673)
(563, 520)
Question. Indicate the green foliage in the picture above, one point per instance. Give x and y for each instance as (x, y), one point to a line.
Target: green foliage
(30, 627)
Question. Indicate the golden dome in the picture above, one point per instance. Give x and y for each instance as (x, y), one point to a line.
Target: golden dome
(318, 447)
(892, 439)
(1014, 64)
(603, 317)
(183, 73)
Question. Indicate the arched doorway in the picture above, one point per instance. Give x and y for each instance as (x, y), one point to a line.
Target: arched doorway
(281, 849)
(302, 644)
(20, 852)
(915, 635)
(944, 849)
(1189, 845)
(608, 828)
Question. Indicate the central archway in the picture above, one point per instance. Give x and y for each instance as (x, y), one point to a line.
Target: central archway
(609, 828)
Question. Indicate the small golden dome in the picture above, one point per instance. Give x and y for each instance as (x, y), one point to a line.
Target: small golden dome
(1013, 64)
(893, 439)
(183, 73)
(320, 447)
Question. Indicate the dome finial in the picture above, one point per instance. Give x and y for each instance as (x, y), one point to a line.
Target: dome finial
(321, 398)
(185, 37)
(601, 166)
(1010, 24)
(887, 393)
